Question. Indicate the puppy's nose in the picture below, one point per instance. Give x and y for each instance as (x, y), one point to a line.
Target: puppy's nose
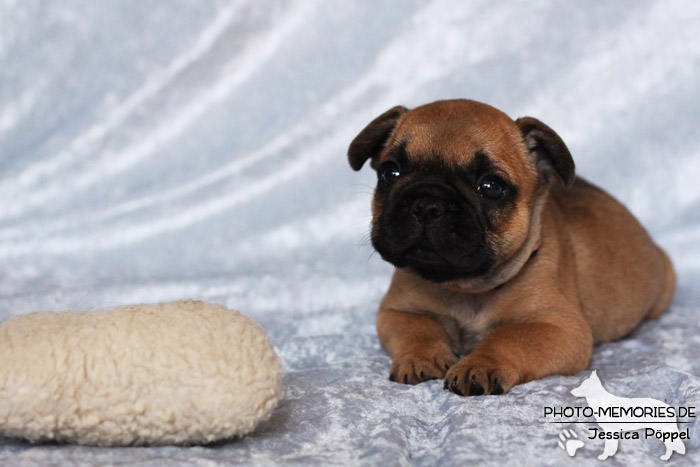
(428, 208)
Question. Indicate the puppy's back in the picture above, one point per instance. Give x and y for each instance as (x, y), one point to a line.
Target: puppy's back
(618, 266)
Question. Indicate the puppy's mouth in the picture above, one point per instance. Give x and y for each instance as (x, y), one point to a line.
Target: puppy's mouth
(421, 254)
(432, 265)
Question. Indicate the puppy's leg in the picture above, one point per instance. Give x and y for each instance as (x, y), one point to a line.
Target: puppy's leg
(419, 347)
(518, 353)
(669, 285)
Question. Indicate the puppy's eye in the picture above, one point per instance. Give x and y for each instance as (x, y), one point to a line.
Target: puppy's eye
(491, 187)
(389, 172)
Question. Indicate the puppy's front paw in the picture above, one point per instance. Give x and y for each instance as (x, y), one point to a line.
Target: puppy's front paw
(423, 364)
(477, 375)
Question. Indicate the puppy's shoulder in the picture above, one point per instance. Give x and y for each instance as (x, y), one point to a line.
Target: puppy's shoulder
(580, 190)
(586, 202)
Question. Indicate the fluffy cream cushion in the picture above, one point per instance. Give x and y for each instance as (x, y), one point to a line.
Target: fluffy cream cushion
(175, 373)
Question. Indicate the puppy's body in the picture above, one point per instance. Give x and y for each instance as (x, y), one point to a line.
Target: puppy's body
(622, 277)
(523, 284)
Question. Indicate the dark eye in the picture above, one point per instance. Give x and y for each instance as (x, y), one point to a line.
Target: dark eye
(491, 187)
(389, 172)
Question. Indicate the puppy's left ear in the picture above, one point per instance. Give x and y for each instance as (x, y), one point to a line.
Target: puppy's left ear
(372, 139)
(547, 149)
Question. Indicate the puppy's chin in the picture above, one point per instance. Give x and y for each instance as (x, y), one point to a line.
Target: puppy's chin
(431, 265)
(439, 273)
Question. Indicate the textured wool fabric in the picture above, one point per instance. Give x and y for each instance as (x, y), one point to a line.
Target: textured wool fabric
(184, 372)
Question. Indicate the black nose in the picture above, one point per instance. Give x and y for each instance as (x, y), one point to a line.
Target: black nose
(427, 208)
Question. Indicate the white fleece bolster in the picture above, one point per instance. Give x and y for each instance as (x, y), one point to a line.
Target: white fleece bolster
(175, 373)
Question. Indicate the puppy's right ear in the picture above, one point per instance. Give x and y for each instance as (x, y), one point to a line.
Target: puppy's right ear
(371, 141)
(547, 150)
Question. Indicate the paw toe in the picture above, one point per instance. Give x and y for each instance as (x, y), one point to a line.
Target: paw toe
(475, 378)
(418, 366)
(475, 388)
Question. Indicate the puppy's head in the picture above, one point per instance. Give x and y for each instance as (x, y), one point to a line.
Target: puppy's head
(458, 185)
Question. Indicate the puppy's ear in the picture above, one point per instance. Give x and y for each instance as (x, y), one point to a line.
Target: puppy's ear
(371, 140)
(547, 149)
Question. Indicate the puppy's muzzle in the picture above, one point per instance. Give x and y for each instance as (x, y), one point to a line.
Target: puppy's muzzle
(429, 201)
(429, 227)
(427, 208)
(416, 217)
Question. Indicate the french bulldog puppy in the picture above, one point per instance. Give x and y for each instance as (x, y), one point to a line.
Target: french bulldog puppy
(503, 256)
